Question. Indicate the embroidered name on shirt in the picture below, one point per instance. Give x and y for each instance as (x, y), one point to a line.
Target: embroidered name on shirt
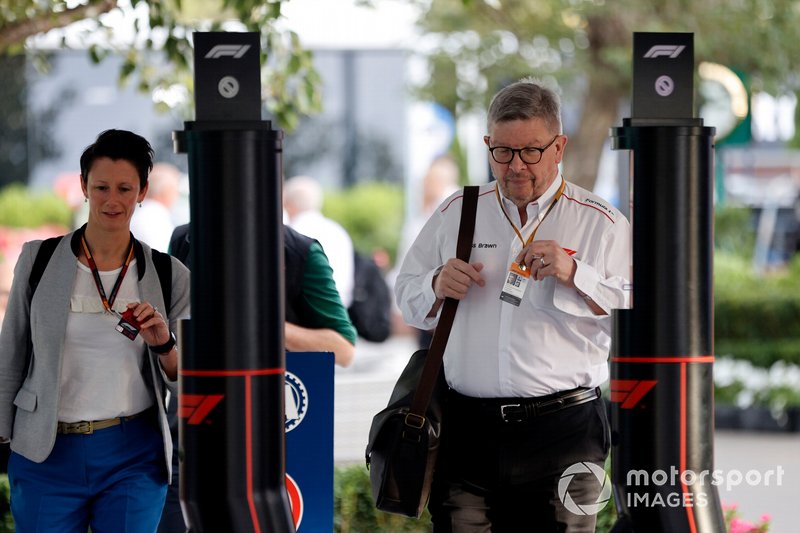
(595, 203)
(484, 245)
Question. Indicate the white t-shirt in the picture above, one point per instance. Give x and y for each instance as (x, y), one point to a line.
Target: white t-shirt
(101, 373)
(152, 224)
(552, 342)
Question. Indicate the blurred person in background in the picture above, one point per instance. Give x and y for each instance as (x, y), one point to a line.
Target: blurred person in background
(86, 358)
(152, 222)
(439, 182)
(302, 206)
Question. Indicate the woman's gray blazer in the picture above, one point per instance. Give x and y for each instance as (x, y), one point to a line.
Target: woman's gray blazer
(29, 400)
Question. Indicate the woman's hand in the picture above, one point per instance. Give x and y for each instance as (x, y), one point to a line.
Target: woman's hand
(152, 326)
(155, 332)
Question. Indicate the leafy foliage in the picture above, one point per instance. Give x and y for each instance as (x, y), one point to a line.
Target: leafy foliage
(21, 208)
(478, 46)
(6, 520)
(756, 316)
(371, 212)
(290, 86)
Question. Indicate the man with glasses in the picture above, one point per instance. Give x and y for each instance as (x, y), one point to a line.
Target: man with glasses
(529, 345)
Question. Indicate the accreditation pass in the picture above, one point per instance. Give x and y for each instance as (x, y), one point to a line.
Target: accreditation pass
(516, 282)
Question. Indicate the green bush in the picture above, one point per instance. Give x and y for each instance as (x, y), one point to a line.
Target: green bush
(761, 352)
(22, 208)
(6, 521)
(354, 510)
(372, 212)
(756, 316)
(733, 231)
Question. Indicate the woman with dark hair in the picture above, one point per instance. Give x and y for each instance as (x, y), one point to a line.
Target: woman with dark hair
(86, 358)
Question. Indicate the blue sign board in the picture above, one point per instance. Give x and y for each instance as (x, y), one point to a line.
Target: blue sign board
(309, 439)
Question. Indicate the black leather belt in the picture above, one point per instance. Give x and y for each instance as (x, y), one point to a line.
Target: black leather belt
(520, 409)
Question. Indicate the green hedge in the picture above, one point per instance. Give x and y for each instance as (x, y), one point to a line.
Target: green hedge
(20, 207)
(761, 352)
(371, 212)
(756, 315)
(6, 522)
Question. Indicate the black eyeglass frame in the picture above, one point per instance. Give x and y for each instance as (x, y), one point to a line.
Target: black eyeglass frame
(519, 152)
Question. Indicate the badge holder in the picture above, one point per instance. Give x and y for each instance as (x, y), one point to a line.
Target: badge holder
(128, 325)
(516, 282)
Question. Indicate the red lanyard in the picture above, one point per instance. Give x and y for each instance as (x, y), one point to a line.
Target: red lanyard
(550, 208)
(107, 301)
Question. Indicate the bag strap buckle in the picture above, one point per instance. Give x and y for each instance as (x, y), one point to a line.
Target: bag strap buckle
(414, 420)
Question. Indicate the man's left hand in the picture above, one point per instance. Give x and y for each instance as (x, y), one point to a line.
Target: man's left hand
(547, 258)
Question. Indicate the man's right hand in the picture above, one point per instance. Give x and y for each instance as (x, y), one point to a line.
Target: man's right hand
(455, 279)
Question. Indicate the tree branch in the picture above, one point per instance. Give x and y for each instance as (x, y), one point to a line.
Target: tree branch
(16, 33)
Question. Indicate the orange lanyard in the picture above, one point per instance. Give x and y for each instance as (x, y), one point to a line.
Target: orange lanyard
(107, 301)
(549, 208)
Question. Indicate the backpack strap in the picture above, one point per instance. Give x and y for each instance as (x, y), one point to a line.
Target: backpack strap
(40, 263)
(163, 264)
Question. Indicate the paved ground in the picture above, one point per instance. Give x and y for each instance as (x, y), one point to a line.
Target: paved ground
(363, 389)
(761, 452)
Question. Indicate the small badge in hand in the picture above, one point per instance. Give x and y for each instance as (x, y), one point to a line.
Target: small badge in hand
(128, 325)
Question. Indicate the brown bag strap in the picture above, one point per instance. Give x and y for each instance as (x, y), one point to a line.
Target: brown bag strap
(433, 361)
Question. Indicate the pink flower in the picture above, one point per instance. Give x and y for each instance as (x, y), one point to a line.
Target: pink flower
(741, 526)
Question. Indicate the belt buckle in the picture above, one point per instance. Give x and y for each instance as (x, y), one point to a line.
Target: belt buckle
(83, 427)
(505, 415)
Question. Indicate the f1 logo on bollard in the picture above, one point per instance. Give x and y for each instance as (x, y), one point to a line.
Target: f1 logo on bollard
(234, 50)
(629, 392)
(670, 50)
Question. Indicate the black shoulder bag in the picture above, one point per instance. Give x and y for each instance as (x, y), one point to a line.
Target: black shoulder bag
(404, 437)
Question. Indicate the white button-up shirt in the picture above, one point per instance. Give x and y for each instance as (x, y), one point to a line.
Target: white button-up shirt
(552, 341)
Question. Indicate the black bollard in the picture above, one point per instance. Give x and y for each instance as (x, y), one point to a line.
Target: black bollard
(661, 364)
(232, 436)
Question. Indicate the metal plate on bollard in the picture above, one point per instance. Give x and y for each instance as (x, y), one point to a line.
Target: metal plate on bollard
(227, 73)
(663, 67)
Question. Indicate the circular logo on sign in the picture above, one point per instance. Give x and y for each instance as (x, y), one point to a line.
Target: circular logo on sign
(589, 508)
(295, 500)
(665, 85)
(296, 401)
(228, 87)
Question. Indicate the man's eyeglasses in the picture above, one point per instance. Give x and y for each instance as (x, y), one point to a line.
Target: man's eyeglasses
(530, 155)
